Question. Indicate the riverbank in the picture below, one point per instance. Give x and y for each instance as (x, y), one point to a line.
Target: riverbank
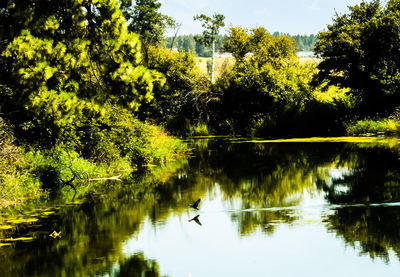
(28, 173)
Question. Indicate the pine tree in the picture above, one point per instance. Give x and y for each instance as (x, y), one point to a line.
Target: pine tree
(145, 19)
(64, 59)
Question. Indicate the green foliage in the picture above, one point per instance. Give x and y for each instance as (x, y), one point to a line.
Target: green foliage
(238, 42)
(185, 98)
(120, 136)
(267, 79)
(387, 126)
(102, 152)
(211, 27)
(16, 181)
(145, 19)
(367, 126)
(188, 43)
(71, 76)
(56, 167)
(271, 92)
(360, 51)
(200, 129)
(60, 74)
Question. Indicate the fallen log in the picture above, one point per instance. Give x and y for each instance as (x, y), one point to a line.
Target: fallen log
(88, 179)
(106, 178)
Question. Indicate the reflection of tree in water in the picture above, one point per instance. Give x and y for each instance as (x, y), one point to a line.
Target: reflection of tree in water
(260, 176)
(373, 179)
(265, 221)
(92, 234)
(374, 231)
(138, 266)
(269, 175)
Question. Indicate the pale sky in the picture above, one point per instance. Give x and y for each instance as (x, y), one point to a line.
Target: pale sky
(286, 16)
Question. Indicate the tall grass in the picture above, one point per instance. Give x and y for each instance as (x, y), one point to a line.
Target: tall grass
(221, 65)
(387, 126)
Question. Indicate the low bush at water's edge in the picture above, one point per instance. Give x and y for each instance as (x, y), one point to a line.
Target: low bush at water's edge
(27, 172)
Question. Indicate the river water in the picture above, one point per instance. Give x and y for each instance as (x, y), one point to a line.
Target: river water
(266, 209)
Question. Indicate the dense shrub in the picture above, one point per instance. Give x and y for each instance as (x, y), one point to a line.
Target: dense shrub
(119, 135)
(185, 99)
(368, 126)
(16, 181)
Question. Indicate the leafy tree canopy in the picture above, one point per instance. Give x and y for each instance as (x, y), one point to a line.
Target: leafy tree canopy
(185, 99)
(259, 44)
(63, 59)
(360, 50)
(144, 18)
(267, 78)
(211, 27)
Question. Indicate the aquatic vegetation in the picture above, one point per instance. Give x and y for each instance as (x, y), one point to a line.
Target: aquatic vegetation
(6, 227)
(370, 139)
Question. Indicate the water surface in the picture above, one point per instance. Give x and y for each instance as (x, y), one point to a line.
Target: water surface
(267, 209)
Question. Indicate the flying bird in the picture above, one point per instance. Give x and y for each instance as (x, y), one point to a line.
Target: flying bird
(195, 205)
(196, 219)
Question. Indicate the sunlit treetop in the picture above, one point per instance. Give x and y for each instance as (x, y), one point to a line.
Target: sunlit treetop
(67, 57)
(145, 19)
(211, 26)
(360, 50)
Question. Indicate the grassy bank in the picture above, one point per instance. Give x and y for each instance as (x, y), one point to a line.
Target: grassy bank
(374, 126)
(27, 172)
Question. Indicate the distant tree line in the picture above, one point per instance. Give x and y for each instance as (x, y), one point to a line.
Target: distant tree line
(187, 43)
(303, 42)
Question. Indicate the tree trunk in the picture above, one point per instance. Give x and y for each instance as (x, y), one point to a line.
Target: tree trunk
(176, 34)
(212, 61)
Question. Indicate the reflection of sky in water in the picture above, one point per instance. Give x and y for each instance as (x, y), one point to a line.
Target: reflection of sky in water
(303, 247)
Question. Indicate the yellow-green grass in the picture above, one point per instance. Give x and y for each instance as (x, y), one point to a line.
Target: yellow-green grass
(221, 65)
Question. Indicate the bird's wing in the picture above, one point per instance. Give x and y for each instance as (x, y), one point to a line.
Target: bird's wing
(196, 219)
